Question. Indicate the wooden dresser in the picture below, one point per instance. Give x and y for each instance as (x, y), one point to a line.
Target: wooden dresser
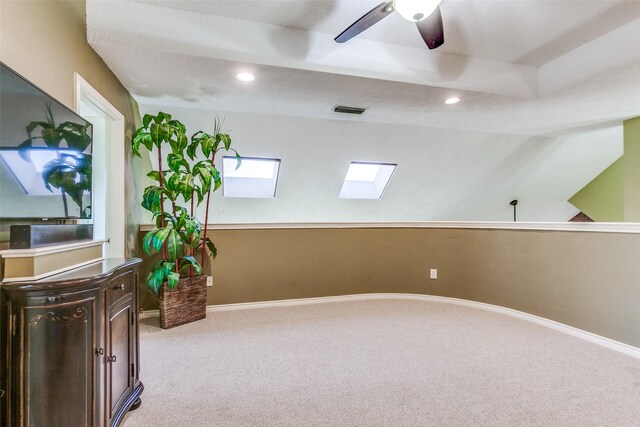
(70, 347)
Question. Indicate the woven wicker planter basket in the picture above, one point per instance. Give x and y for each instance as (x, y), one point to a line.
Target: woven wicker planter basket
(184, 304)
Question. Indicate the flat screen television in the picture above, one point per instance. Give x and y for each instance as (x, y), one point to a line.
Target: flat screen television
(45, 154)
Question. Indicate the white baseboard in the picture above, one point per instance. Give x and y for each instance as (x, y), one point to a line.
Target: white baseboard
(557, 326)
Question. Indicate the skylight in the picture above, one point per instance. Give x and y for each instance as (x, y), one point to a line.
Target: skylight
(255, 178)
(366, 180)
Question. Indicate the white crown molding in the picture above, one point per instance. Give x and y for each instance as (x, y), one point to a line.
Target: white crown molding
(599, 227)
(47, 250)
(551, 324)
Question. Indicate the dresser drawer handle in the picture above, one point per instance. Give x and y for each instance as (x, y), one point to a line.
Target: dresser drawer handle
(1, 394)
(53, 299)
(121, 287)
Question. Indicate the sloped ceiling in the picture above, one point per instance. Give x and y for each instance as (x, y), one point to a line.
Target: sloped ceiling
(529, 68)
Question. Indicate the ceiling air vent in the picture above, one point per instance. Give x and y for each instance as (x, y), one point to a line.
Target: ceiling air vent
(348, 110)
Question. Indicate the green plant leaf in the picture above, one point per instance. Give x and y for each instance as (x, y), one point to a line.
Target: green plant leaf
(160, 237)
(151, 199)
(165, 131)
(155, 175)
(174, 245)
(147, 241)
(146, 120)
(156, 276)
(181, 142)
(159, 218)
(159, 277)
(168, 218)
(180, 223)
(227, 141)
(191, 150)
(206, 145)
(216, 179)
(178, 125)
(168, 267)
(151, 282)
(203, 170)
(188, 262)
(172, 279)
(182, 184)
(156, 135)
(200, 195)
(175, 161)
(137, 139)
(185, 238)
(191, 226)
(212, 248)
(216, 142)
(147, 141)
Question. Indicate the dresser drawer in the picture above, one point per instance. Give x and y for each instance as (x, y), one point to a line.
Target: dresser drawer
(120, 288)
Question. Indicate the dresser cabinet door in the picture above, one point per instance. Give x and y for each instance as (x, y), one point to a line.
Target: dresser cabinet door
(54, 359)
(120, 341)
(4, 360)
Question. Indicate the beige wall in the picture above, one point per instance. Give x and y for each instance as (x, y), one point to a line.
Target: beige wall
(46, 42)
(583, 279)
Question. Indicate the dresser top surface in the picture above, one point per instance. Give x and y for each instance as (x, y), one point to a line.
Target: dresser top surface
(92, 272)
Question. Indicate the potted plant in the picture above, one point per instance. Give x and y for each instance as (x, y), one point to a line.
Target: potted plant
(178, 235)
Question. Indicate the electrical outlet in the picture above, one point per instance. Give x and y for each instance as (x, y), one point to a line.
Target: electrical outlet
(433, 273)
(209, 280)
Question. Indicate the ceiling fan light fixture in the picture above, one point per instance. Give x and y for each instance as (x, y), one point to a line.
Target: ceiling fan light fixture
(415, 10)
(245, 77)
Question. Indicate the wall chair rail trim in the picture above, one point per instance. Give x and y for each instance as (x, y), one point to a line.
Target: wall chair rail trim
(599, 227)
(551, 324)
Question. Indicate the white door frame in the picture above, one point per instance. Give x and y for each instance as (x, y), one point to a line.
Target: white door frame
(111, 166)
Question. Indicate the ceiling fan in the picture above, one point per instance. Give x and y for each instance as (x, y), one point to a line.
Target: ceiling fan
(425, 13)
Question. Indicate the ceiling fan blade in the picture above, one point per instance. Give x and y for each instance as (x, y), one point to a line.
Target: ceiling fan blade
(432, 30)
(372, 17)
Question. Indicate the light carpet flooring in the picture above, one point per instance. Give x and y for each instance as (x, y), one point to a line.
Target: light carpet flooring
(379, 363)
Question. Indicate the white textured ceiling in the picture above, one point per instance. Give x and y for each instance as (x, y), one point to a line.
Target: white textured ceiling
(538, 31)
(530, 67)
(522, 67)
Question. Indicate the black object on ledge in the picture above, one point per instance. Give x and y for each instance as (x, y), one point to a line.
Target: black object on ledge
(36, 236)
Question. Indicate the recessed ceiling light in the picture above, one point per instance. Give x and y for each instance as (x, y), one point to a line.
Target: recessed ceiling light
(452, 100)
(245, 77)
